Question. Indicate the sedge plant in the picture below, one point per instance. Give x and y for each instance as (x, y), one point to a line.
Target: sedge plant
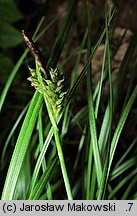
(50, 85)
(16, 164)
(101, 157)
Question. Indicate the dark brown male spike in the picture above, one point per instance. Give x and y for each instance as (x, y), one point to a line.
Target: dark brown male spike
(35, 52)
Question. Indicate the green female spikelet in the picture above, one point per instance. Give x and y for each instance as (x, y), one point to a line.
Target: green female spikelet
(51, 88)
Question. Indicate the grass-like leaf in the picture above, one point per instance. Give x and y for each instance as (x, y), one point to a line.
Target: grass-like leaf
(92, 122)
(36, 192)
(121, 124)
(21, 147)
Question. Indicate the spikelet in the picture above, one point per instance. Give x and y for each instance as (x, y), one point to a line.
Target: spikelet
(53, 90)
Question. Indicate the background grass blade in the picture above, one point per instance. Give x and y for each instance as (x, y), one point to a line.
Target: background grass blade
(121, 184)
(63, 34)
(91, 114)
(10, 79)
(117, 89)
(120, 125)
(104, 180)
(36, 192)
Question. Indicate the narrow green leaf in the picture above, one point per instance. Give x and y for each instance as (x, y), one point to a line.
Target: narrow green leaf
(126, 152)
(123, 167)
(63, 34)
(10, 79)
(91, 114)
(21, 147)
(120, 125)
(104, 180)
(105, 128)
(122, 183)
(39, 161)
(11, 133)
(36, 192)
(131, 186)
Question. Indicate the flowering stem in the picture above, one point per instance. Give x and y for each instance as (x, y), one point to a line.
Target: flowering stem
(56, 135)
(62, 163)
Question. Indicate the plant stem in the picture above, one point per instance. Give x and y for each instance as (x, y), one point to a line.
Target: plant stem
(62, 163)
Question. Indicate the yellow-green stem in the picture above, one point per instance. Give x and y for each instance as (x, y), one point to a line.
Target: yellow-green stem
(62, 163)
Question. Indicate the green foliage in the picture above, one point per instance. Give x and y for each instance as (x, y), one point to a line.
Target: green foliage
(28, 125)
(93, 124)
(43, 180)
(21, 147)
